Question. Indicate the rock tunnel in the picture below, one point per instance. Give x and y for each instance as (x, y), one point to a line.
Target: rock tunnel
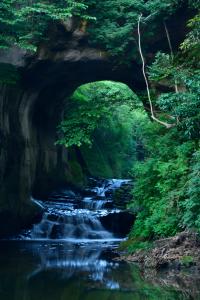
(30, 112)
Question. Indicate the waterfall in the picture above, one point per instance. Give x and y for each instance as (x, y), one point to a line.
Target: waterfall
(75, 218)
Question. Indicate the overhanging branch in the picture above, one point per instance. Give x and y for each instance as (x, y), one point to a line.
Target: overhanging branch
(167, 125)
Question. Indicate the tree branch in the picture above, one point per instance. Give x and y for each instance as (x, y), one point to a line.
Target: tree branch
(167, 125)
(171, 50)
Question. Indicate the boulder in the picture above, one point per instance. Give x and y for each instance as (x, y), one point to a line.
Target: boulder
(119, 223)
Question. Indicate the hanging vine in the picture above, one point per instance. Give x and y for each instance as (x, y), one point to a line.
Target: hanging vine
(153, 116)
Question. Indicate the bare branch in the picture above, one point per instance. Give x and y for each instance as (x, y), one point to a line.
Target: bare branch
(172, 53)
(167, 125)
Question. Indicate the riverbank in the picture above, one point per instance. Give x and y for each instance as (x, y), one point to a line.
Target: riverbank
(180, 251)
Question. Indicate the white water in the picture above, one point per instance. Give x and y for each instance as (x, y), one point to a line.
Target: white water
(75, 219)
(79, 224)
(71, 238)
(109, 185)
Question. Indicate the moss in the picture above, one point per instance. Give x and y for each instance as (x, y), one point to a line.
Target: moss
(122, 196)
(88, 91)
(133, 245)
(125, 245)
(75, 175)
(187, 260)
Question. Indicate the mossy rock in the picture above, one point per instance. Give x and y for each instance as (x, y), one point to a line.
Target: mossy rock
(123, 195)
(12, 219)
(76, 172)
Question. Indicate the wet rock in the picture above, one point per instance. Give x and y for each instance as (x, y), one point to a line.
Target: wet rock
(52, 217)
(55, 232)
(119, 223)
(66, 195)
(12, 220)
(123, 195)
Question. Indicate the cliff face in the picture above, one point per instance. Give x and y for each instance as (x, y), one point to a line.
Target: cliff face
(30, 112)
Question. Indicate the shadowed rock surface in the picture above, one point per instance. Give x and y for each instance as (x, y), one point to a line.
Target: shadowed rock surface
(30, 112)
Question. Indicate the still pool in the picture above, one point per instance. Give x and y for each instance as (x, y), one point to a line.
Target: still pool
(58, 270)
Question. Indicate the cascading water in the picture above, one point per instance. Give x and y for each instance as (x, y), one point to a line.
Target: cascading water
(76, 225)
(77, 219)
(71, 237)
(69, 254)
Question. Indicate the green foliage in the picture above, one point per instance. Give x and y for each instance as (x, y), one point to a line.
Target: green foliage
(115, 29)
(75, 174)
(161, 68)
(162, 9)
(191, 205)
(186, 108)
(96, 159)
(187, 260)
(100, 119)
(24, 23)
(191, 45)
(184, 105)
(134, 244)
(114, 147)
(90, 105)
(139, 245)
(159, 182)
(167, 186)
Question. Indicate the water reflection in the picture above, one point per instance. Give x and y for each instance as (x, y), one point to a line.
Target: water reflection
(69, 256)
(64, 271)
(70, 259)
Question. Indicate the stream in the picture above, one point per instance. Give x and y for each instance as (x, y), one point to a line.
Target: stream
(69, 254)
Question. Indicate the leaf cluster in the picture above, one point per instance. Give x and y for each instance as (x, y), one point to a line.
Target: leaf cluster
(115, 29)
(24, 23)
(91, 105)
(167, 186)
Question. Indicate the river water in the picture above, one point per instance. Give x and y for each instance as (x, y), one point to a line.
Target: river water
(69, 255)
